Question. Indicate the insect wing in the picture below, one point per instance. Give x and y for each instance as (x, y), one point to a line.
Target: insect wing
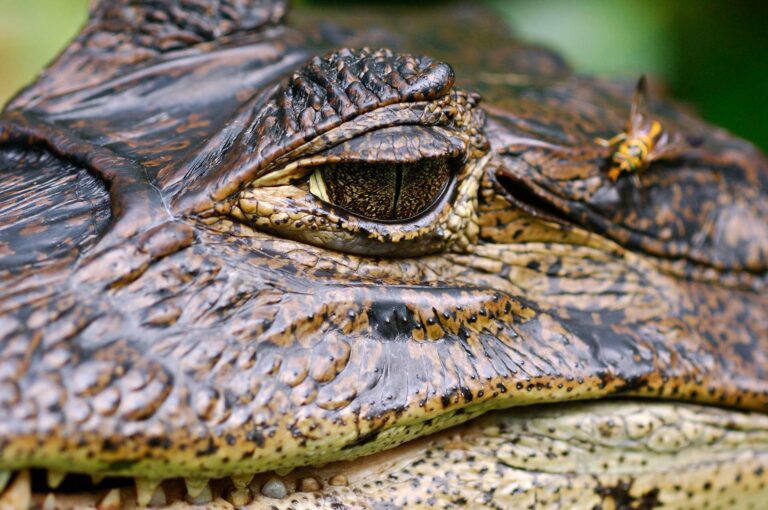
(669, 148)
(638, 114)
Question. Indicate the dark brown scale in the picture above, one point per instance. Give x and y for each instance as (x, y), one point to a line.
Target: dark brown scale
(50, 209)
(167, 310)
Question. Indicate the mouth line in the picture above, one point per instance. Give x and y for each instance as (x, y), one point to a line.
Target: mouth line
(603, 438)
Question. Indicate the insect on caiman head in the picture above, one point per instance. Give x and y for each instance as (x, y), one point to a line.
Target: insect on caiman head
(231, 248)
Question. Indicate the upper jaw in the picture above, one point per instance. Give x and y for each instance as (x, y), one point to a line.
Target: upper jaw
(238, 353)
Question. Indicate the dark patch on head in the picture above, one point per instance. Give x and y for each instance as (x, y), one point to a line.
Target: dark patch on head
(364, 439)
(208, 450)
(162, 442)
(631, 384)
(391, 320)
(623, 500)
(255, 436)
(295, 431)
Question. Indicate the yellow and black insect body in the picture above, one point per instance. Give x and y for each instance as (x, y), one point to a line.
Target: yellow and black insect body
(644, 141)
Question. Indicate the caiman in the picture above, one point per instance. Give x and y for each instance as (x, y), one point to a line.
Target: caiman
(367, 259)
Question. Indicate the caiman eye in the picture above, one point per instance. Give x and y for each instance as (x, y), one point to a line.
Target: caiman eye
(384, 191)
(365, 152)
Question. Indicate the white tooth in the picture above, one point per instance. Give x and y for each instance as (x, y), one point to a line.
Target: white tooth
(158, 498)
(50, 502)
(145, 489)
(274, 488)
(240, 497)
(338, 480)
(19, 495)
(204, 497)
(5, 477)
(241, 481)
(195, 486)
(111, 501)
(55, 478)
(309, 485)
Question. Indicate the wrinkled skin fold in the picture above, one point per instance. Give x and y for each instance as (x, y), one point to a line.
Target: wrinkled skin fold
(181, 300)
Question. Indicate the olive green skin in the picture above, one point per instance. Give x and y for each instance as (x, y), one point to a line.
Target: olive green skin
(151, 326)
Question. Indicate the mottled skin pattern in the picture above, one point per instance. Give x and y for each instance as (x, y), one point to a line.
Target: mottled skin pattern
(176, 302)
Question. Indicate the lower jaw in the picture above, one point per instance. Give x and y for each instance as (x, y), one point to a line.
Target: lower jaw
(608, 454)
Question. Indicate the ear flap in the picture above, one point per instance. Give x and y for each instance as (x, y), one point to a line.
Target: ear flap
(124, 35)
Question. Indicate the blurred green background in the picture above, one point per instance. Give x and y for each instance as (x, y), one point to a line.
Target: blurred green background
(712, 54)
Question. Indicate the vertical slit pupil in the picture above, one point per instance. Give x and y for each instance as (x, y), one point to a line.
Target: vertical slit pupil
(398, 189)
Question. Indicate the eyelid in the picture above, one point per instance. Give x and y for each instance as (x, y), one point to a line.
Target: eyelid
(394, 144)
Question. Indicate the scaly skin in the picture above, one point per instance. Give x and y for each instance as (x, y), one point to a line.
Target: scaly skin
(178, 302)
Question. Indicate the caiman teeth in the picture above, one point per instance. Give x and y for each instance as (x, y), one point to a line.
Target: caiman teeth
(239, 497)
(18, 496)
(5, 477)
(195, 486)
(145, 490)
(55, 478)
(205, 496)
(274, 488)
(241, 481)
(309, 485)
(111, 501)
(339, 480)
(54, 489)
(158, 498)
(50, 502)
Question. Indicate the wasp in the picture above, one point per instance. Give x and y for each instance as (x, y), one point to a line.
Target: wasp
(644, 141)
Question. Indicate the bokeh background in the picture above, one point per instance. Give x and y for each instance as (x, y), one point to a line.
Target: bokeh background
(711, 54)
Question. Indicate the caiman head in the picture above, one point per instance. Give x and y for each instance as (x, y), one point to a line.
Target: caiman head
(250, 262)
